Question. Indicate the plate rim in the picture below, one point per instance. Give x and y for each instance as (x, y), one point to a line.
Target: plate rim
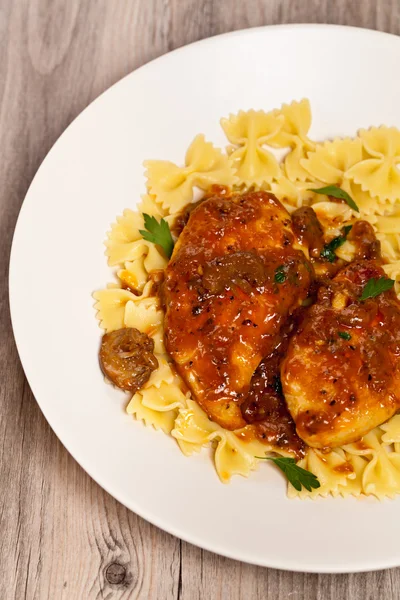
(127, 502)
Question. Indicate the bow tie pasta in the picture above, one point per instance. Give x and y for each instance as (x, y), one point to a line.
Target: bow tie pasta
(366, 169)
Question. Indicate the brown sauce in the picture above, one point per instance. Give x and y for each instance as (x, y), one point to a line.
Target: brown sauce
(310, 234)
(233, 280)
(345, 467)
(308, 230)
(361, 445)
(359, 349)
(265, 402)
(157, 279)
(128, 283)
(244, 269)
(183, 217)
(367, 246)
(263, 407)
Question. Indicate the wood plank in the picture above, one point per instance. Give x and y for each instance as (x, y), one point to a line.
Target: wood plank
(59, 531)
(61, 535)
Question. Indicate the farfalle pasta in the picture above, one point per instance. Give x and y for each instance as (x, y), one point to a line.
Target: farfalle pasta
(381, 474)
(294, 134)
(366, 167)
(378, 172)
(134, 275)
(110, 306)
(330, 161)
(332, 470)
(232, 455)
(249, 133)
(125, 244)
(296, 194)
(163, 420)
(145, 314)
(173, 186)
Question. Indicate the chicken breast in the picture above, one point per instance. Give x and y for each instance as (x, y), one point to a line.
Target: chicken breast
(341, 374)
(233, 280)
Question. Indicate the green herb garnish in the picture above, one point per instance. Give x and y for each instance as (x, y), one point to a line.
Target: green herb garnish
(336, 192)
(158, 233)
(344, 335)
(280, 275)
(296, 475)
(346, 230)
(374, 287)
(328, 251)
(277, 385)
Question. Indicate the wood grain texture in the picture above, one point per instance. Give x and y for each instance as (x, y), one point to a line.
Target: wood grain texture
(61, 536)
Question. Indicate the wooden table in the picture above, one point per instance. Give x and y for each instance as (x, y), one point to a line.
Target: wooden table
(61, 535)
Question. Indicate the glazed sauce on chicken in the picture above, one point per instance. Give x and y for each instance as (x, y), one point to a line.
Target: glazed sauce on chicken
(341, 374)
(308, 230)
(341, 371)
(224, 297)
(275, 343)
(233, 280)
(264, 406)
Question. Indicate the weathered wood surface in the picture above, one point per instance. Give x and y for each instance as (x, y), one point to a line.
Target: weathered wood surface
(61, 536)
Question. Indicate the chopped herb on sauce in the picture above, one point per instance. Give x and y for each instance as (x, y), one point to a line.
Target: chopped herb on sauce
(280, 275)
(277, 385)
(346, 230)
(336, 192)
(374, 287)
(328, 251)
(344, 335)
(296, 475)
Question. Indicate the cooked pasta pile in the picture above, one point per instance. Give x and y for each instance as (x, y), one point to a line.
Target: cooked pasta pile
(365, 167)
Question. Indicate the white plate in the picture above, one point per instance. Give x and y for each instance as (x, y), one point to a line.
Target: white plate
(93, 172)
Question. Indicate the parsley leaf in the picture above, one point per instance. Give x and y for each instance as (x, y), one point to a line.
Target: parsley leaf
(296, 475)
(336, 192)
(328, 251)
(374, 287)
(344, 335)
(280, 275)
(158, 233)
(277, 385)
(346, 230)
